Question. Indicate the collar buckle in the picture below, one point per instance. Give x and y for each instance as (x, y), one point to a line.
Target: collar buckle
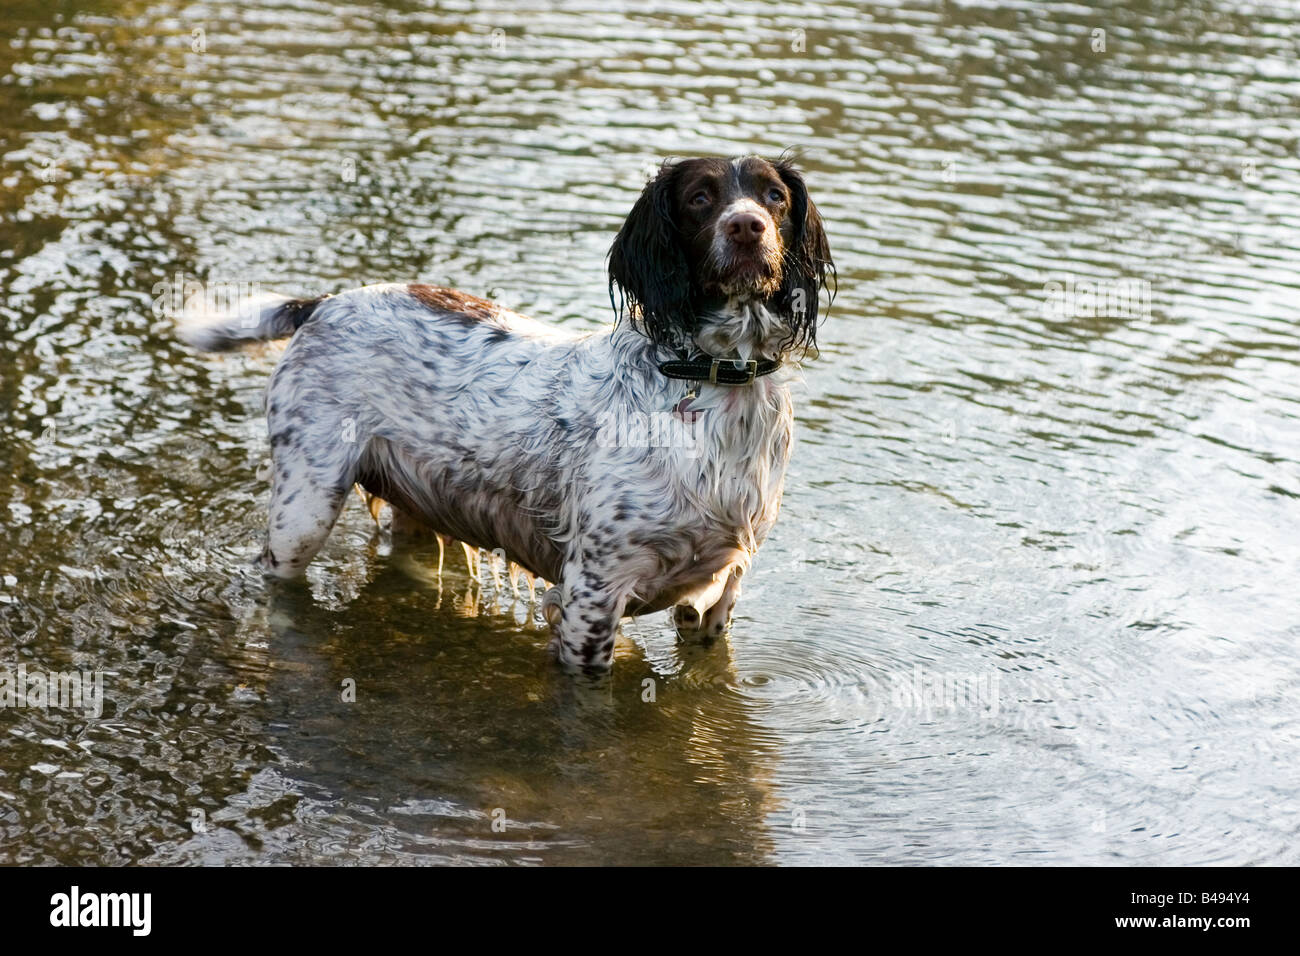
(750, 368)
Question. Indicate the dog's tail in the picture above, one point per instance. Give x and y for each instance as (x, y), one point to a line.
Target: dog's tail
(256, 319)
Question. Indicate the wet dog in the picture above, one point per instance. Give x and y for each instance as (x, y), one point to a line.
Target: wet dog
(505, 433)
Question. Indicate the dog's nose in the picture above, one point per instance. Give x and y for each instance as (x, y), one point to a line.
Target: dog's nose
(745, 227)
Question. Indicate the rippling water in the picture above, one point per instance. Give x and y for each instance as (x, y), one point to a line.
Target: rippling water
(1032, 597)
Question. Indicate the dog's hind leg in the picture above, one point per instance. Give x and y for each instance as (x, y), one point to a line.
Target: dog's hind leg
(300, 520)
(552, 606)
(311, 475)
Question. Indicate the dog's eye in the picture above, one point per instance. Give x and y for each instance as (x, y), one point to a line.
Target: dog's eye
(701, 198)
(775, 195)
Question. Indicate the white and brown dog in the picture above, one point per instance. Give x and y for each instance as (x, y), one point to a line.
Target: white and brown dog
(492, 428)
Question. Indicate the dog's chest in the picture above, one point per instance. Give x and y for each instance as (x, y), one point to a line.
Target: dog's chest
(743, 439)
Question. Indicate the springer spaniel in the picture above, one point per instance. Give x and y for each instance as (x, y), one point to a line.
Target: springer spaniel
(638, 468)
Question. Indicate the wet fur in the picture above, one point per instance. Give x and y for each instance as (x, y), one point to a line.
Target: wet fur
(487, 426)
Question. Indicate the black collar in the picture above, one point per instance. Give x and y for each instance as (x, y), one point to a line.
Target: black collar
(705, 368)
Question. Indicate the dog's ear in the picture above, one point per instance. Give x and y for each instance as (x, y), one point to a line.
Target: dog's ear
(807, 263)
(648, 265)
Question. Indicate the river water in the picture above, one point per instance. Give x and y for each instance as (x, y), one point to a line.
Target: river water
(1032, 598)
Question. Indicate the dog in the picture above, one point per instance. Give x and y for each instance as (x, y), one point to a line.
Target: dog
(495, 430)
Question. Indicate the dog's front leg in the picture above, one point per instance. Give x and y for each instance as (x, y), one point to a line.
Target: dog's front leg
(709, 615)
(584, 610)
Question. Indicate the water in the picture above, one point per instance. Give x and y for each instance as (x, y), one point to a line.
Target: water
(1069, 523)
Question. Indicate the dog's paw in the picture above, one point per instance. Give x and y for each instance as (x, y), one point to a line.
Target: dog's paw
(692, 626)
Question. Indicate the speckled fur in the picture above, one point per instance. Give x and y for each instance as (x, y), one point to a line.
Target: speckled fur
(486, 426)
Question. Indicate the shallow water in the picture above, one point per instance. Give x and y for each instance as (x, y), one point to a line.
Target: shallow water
(1032, 596)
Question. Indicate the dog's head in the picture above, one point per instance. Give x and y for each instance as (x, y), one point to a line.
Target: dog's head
(707, 233)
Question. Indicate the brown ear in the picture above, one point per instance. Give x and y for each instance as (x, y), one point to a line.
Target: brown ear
(807, 263)
(648, 266)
